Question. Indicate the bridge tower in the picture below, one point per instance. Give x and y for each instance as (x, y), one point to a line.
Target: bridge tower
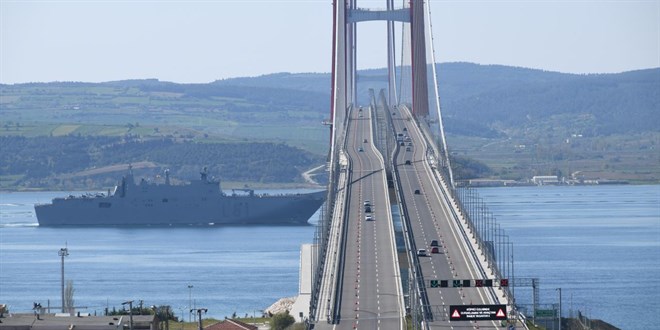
(420, 96)
(346, 15)
(417, 84)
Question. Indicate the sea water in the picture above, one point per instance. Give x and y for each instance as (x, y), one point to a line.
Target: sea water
(232, 269)
(599, 244)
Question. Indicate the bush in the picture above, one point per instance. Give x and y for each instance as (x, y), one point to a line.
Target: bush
(281, 321)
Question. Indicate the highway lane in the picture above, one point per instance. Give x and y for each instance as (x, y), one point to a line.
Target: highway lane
(371, 292)
(430, 220)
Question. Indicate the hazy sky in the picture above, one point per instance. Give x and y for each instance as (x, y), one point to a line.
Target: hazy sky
(201, 41)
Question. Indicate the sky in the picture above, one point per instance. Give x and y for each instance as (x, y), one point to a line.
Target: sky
(200, 41)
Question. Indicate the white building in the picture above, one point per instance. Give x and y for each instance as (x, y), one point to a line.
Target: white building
(543, 180)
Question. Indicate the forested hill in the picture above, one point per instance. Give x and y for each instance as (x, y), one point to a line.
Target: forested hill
(476, 99)
(268, 129)
(92, 162)
(511, 97)
(481, 99)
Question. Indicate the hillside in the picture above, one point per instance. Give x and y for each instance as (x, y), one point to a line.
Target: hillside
(523, 122)
(510, 97)
(495, 96)
(501, 122)
(156, 108)
(92, 162)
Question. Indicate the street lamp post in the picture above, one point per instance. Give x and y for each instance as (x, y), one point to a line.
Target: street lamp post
(130, 311)
(559, 289)
(199, 314)
(63, 253)
(190, 302)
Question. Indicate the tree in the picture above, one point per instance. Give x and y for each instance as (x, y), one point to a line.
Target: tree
(281, 321)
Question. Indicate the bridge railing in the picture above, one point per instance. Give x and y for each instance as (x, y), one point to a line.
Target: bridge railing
(338, 265)
(322, 237)
(490, 236)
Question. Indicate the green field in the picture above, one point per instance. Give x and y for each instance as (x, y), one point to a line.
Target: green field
(154, 111)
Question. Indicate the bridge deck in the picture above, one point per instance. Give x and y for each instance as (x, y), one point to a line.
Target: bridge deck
(370, 291)
(431, 219)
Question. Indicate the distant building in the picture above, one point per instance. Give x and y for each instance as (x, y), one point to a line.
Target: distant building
(543, 180)
(64, 321)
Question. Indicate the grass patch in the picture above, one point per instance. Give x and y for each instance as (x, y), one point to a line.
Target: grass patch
(64, 130)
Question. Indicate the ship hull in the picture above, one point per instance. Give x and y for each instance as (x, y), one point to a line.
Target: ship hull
(293, 209)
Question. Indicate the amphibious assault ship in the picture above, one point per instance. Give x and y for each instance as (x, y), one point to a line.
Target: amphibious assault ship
(200, 202)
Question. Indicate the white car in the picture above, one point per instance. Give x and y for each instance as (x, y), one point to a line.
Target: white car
(368, 218)
(421, 253)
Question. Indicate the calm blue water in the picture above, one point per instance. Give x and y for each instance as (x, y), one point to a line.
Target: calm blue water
(232, 268)
(600, 244)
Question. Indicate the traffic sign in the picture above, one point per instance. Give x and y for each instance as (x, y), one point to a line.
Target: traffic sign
(477, 312)
(550, 313)
(434, 283)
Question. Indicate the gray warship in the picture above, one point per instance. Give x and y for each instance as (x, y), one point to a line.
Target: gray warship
(201, 202)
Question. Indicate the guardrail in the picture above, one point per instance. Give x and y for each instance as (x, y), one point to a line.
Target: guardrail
(338, 267)
(411, 248)
(448, 197)
(387, 167)
(340, 262)
(326, 225)
(453, 201)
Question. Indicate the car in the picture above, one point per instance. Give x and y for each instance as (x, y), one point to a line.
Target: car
(367, 203)
(360, 109)
(365, 141)
(434, 243)
(408, 162)
(407, 148)
(368, 218)
(405, 129)
(360, 149)
(410, 144)
(417, 192)
(367, 209)
(435, 249)
(421, 253)
(402, 144)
